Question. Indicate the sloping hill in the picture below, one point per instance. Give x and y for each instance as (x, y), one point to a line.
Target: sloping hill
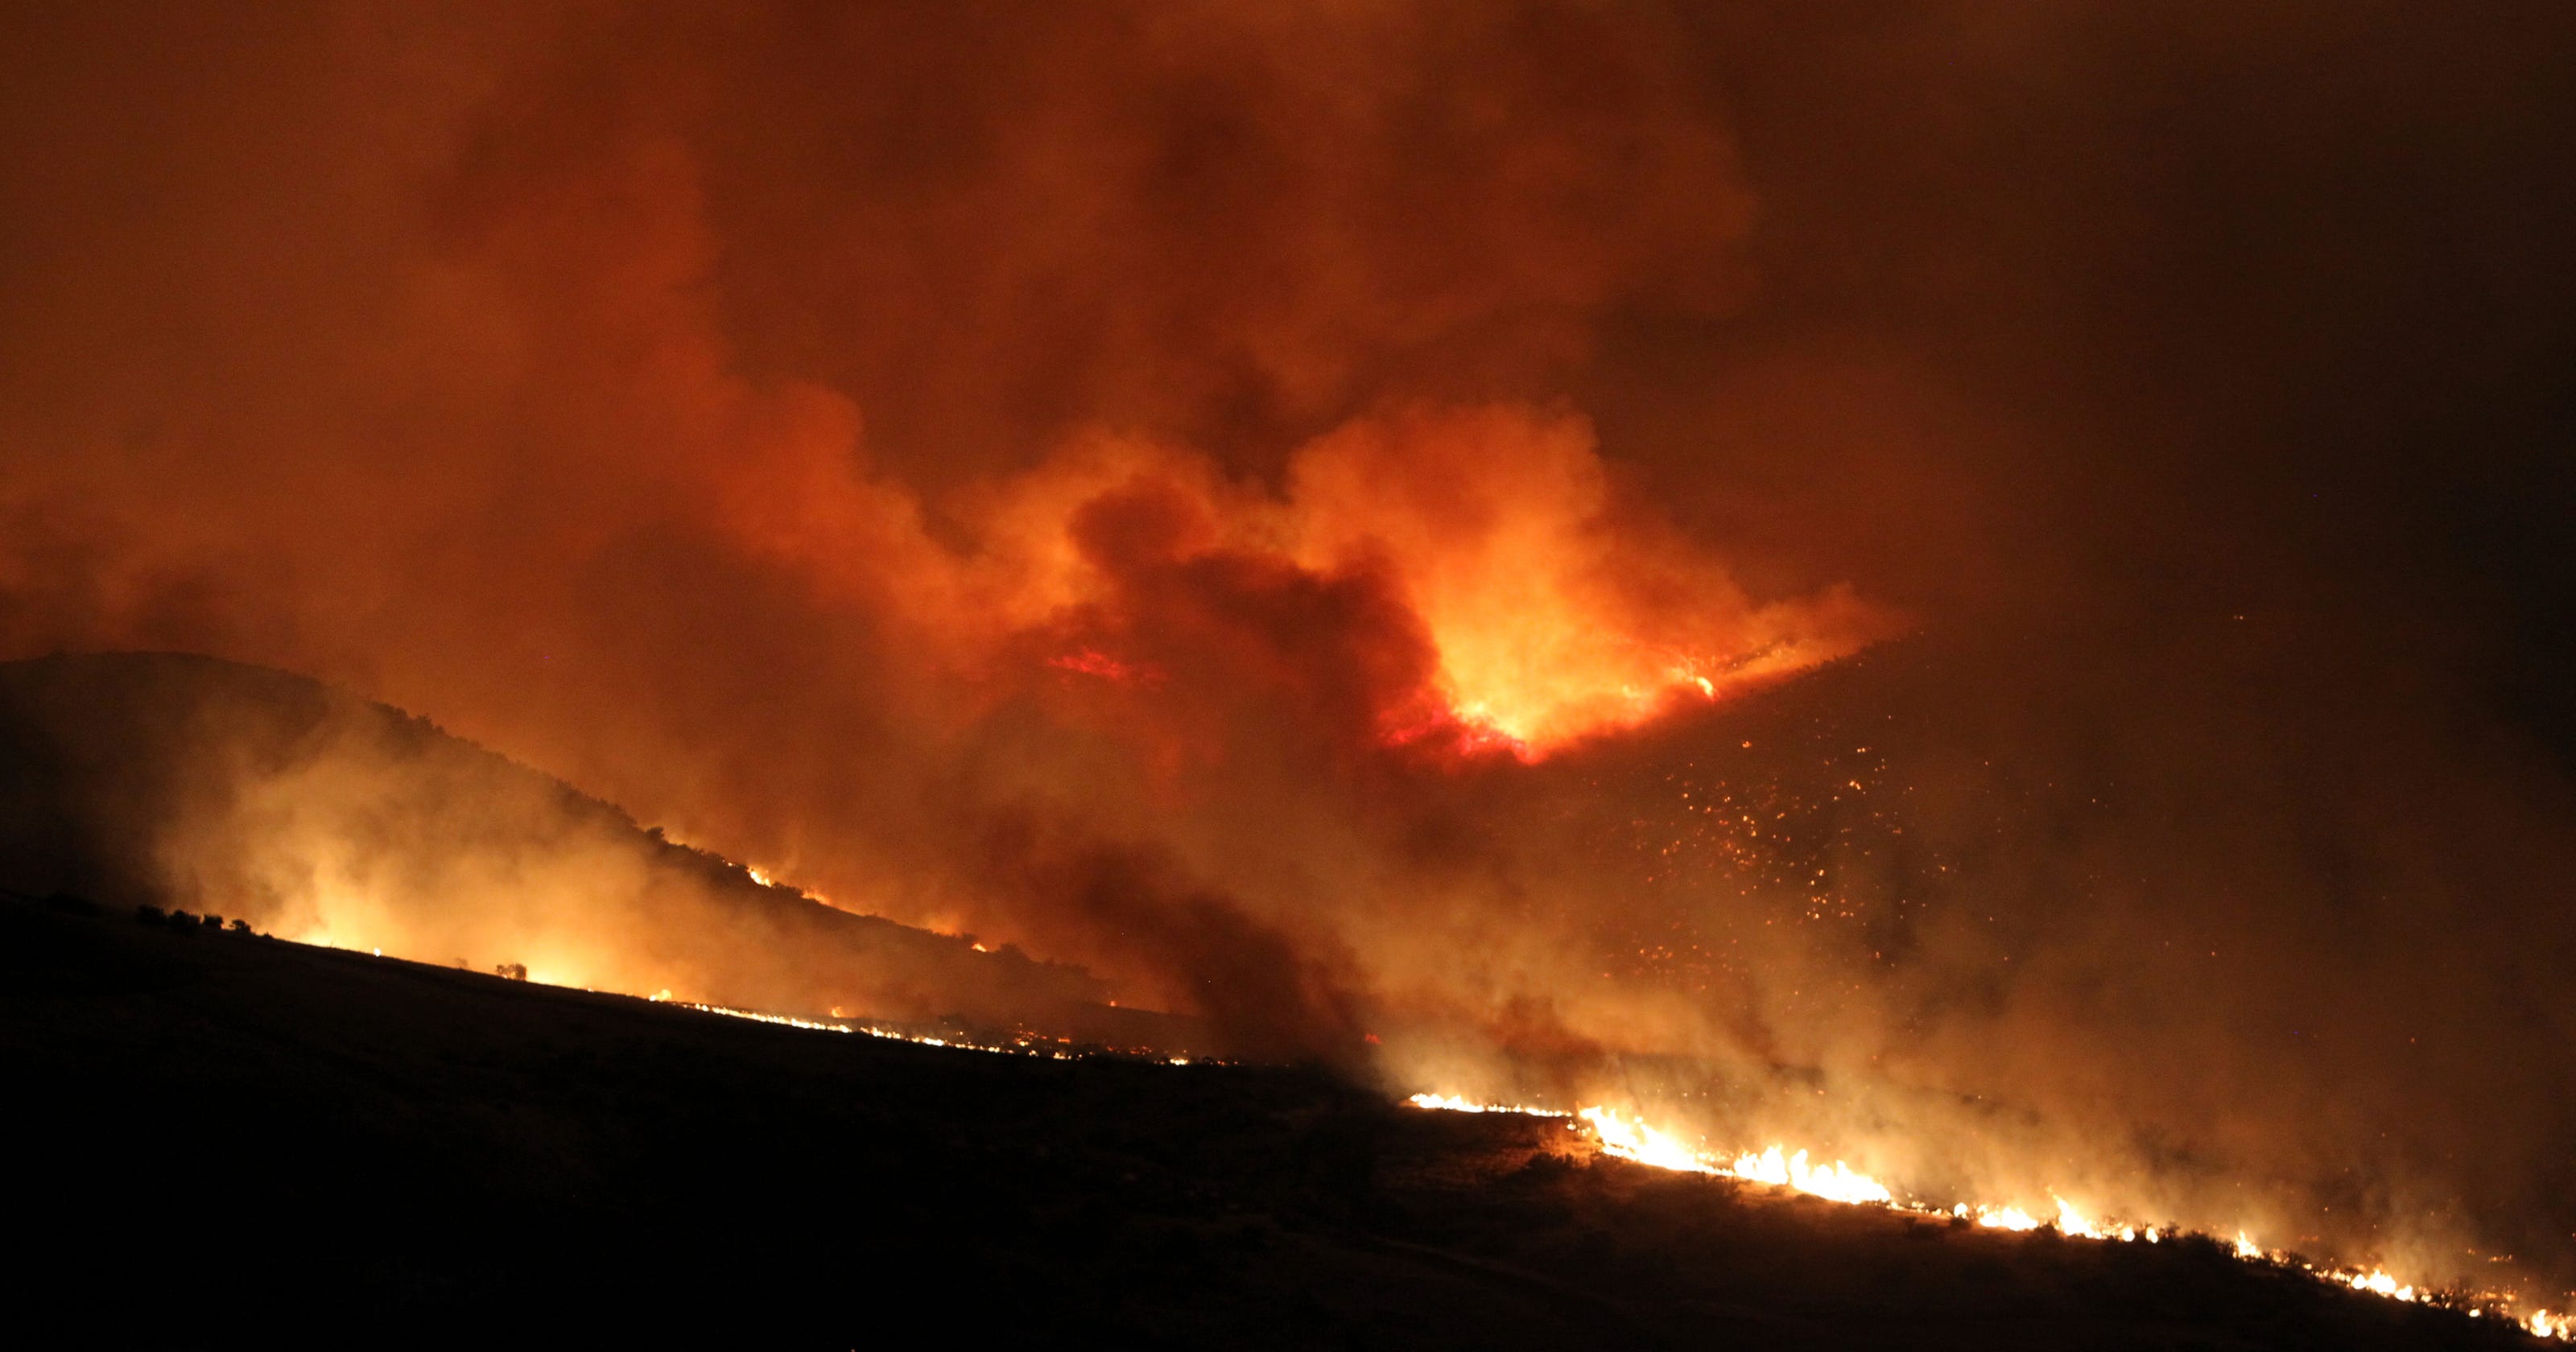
(223, 1139)
(188, 782)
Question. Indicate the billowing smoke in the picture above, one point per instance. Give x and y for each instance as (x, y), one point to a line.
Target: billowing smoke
(1976, 587)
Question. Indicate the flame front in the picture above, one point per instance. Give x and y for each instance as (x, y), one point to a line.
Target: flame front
(1634, 1140)
(1455, 1104)
(1833, 1182)
(1625, 1136)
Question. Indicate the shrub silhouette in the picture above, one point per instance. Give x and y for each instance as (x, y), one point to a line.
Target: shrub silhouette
(240, 926)
(512, 971)
(150, 915)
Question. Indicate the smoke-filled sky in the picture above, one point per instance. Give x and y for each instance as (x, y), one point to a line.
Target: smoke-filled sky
(1332, 516)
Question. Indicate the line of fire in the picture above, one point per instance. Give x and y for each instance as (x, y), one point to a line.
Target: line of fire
(1393, 674)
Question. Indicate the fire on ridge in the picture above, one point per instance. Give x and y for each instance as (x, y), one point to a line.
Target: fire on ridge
(1626, 1136)
(1631, 1138)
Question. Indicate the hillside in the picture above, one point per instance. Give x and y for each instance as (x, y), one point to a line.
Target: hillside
(225, 1137)
(197, 784)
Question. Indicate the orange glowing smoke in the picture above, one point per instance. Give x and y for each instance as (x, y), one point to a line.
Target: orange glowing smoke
(1548, 609)
(1556, 616)
(1091, 662)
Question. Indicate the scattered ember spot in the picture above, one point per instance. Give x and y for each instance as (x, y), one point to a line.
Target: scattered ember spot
(1093, 662)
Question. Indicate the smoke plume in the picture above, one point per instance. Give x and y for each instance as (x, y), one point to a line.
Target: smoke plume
(1977, 586)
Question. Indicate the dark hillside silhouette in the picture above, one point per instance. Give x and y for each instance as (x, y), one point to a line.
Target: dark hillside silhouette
(224, 1138)
(191, 783)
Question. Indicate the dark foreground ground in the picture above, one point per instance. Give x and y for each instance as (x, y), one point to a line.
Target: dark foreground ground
(222, 1139)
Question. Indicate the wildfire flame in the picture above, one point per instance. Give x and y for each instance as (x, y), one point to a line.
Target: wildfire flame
(1552, 609)
(1833, 1182)
(1454, 1104)
(1555, 616)
(1627, 1137)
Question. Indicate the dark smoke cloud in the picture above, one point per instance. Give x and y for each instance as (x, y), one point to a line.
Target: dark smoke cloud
(916, 449)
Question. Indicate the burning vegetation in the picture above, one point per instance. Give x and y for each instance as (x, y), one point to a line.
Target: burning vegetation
(1254, 1206)
(1630, 1139)
(1977, 594)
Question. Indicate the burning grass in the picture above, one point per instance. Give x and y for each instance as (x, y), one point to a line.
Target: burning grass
(1627, 1137)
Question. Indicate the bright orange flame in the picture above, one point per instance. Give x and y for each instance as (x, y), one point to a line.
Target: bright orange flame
(1453, 1104)
(1555, 609)
(1556, 617)
(1634, 1140)
(1629, 1138)
(1093, 662)
(1832, 1181)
